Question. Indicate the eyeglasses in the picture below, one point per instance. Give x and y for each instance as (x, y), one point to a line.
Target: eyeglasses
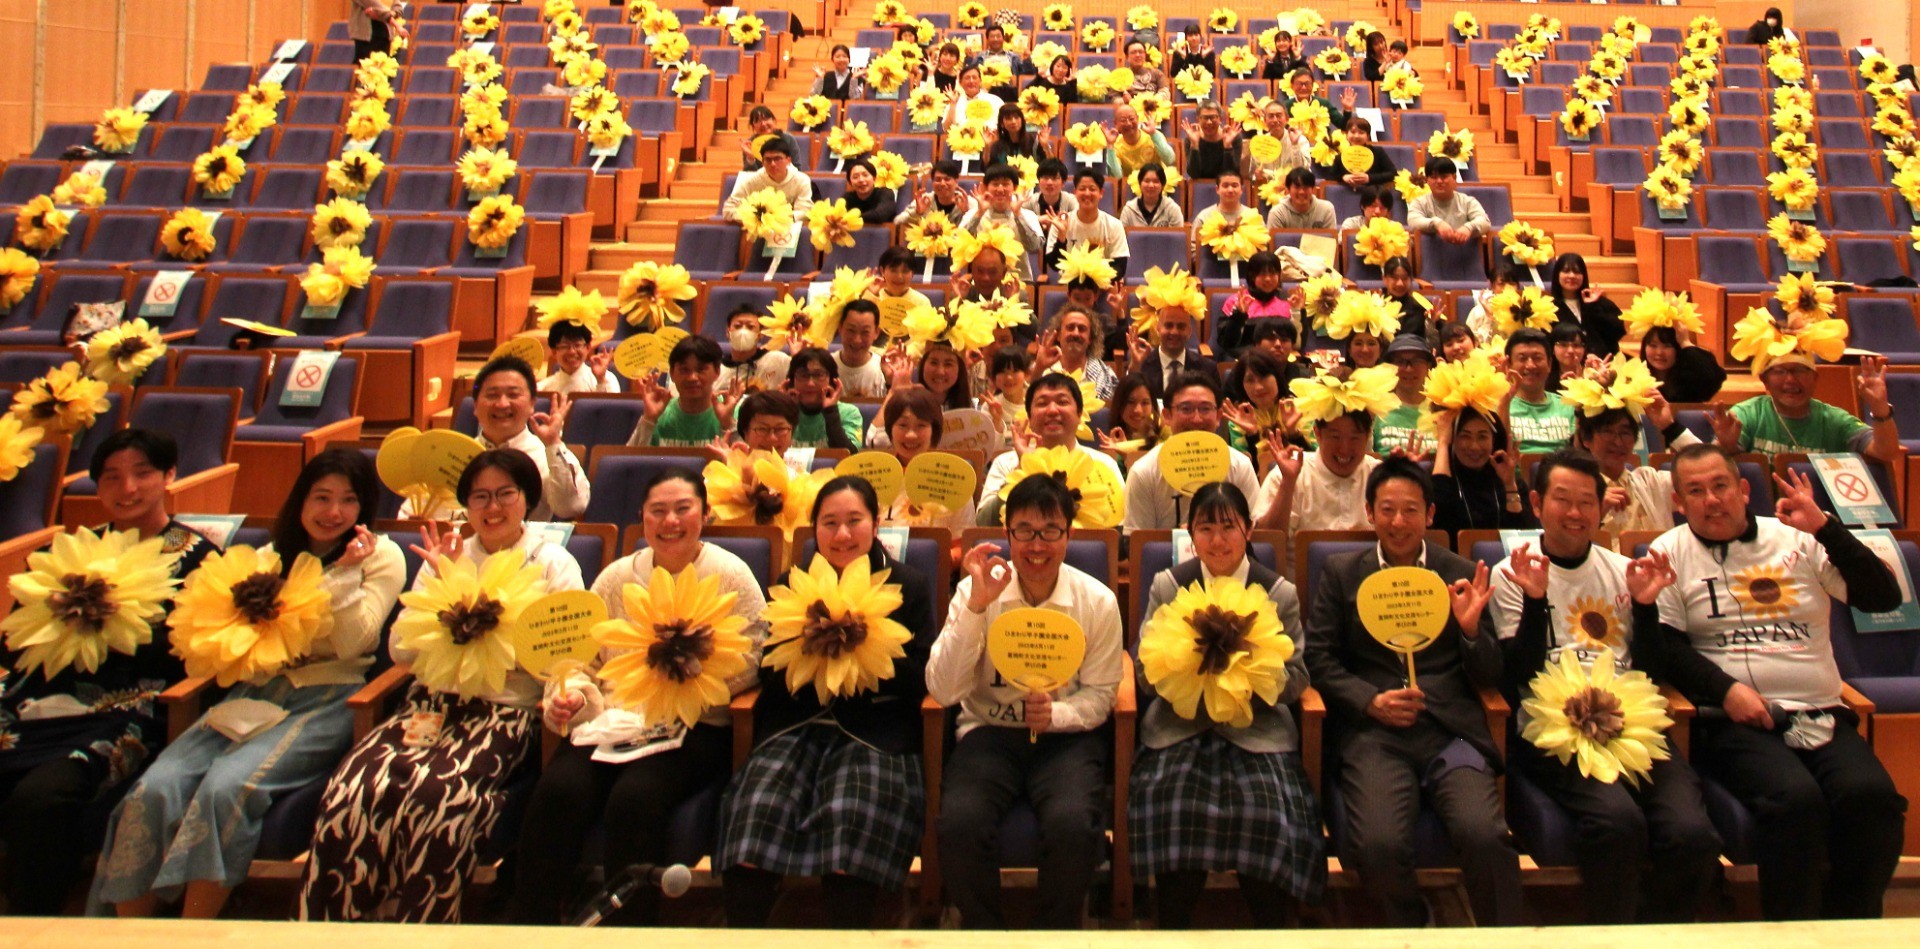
(1194, 408)
(770, 431)
(503, 497)
(812, 377)
(1027, 535)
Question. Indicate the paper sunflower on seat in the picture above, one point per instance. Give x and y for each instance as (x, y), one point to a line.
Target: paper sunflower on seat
(1879, 69)
(477, 24)
(592, 101)
(1402, 87)
(1525, 244)
(1219, 642)
(811, 112)
(39, 226)
(1411, 185)
(1608, 723)
(1788, 69)
(1239, 61)
(18, 273)
(1907, 182)
(1689, 88)
(887, 72)
(341, 222)
(120, 354)
(1327, 397)
(651, 294)
(1235, 240)
(607, 131)
(971, 15)
(1795, 150)
(82, 189)
(1513, 62)
(352, 175)
(1526, 308)
(1681, 151)
(1794, 188)
(1623, 383)
(1456, 144)
(1704, 68)
(1802, 296)
(16, 447)
(341, 269)
(188, 235)
(1154, 109)
(86, 596)
(1098, 493)
(890, 13)
(1087, 137)
(678, 645)
(1592, 90)
(1689, 116)
(459, 622)
(583, 71)
(1223, 20)
(1039, 105)
(933, 235)
(1056, 17)
(758, 488)
(1118, 80)
(1362, 312)
(118, 129)
(1381, 239)
(789, 318)
(367, 120)
(237, 619)
(690, 76)
(1470, 383)
(1097, 36)
(1466, 25)
(962, 328)
(1333, 62)
(1893, 123)
(967, 138)
(1668, 188)
(382, 63)
(832, 224)
(219, 170)
(61, 402)
(927, 105)
(834, 630)
(850, 140)
(1799, 240)
(1142, 17)
(493, 222)
(485, 170)
(1194, 82)
(491, 95)
(1764, 341)
(889, 170)
(1081, 261)
(1320, 296)
(572, 306)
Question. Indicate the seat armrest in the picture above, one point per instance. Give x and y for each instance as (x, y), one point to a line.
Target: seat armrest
(184, 704)
(740, 710)
(369, 704)
(1497, 711)
(1861, 706)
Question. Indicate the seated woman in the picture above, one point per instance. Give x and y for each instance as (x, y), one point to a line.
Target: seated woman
(53, 765)
(834, 787)
(914, 423)
(1153, 207)
(876, 205)
(843, 81)
(1011, 138)
(193, 820)
(1379, 172)
(1365, 349)
(1261, 298)
(1569, 354)
(1136, 419)
(1687, 373)
(404, 815)
(1208, 796)
(1396, 282)
(941, 370)
(595, 778)
(1058, 77)
(1473, 476)
(1253, 407)
(1582, 304)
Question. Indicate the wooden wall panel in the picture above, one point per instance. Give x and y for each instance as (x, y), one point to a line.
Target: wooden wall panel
(156, 48)
(220, 34)
(81, 59)
(18, 19)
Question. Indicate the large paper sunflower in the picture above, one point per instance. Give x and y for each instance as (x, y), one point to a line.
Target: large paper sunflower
(1402, 87)
(118, 129)
(341, 269)
(1167, 289)
(459, 623)
(188, 235)
(1456, 144)
(1220, 643)
(766, 215)
(82, 189)
(1624, 383)
(39, 226)
(493, 222)
(16, 446)
(18, 273)
(1525, 308)
(1194, 82)
(85, 596)
(1525, 244)
(1099, 495)
(367, 120)
(651, 294)
(1795, 150)
(759, 488)
(1580, 119)
(1610, 724)
(1668, 188)
(1239, 60)
(341, 222)
(120, 354)
(1655, 307)
(1470, 383)
(239, 619)
(572, 306)
(1082, 262)
(1802, 296)
(1763, 340)
(926, 105)
(933, 235)
(219, 170)
(678, 645)
(789, 319)
(1381, 239)
(62, 402)
(1326, 397)
(832, 224)
(352, 175)
(1794, 188)
(1096, 36)
(1364, 312)
(1000, 237)
(1087, 137)
(962, 328)
(1798, 240)
(1235, 240)
(485, 170)
(834, 630)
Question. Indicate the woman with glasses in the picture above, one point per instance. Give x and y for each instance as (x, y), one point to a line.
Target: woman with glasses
(833, 788)
(619, 770)
(404, 816)
(1212, 797)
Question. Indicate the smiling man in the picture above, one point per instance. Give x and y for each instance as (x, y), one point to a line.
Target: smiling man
(1789, 419)
(825, 421)
(1541, 421)
(1323, 489)
(503, 401)
(1193, 405)
(1054, 410)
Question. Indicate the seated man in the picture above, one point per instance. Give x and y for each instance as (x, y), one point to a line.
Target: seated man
(944, 196)
(1227, 191)
(776, 172)
(1162, 363)
(1295, 149)
(1193, 405)
(1213, 145)
(692, 419)
(1323, 490)
(1049, 748)
(1443, 211)
(998, 207)
(1787, 418)
(1745, 636)
(1542, 421)
(576, 367)
(1302, 211)
(1404, 744)
(861, 375)
(1054, 408)
(760, 121)
(1565, 593)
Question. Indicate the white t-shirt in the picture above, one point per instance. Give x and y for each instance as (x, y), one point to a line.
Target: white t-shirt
(865, 381)
(1762, 614)
(579, 380)
(1151, 503)
(1589, 606)
(1322, 501)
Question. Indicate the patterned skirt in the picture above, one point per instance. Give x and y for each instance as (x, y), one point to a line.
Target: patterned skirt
(1206, 804)
(814, 801)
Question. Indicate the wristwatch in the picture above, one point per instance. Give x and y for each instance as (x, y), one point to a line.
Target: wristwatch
(1877, 419)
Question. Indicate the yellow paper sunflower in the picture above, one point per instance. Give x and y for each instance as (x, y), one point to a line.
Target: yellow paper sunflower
(651, 294)
(1624, 383)
(962, 328)
(1235, 240)
(1893, 123)
(120, 354)
(967, 138)
(1470, 383)
(1689, 88)
(788, 319)
(1411, 185)
(1466, 25)
(188, 235)
(1194, 82)
(485, 170)
(1381, 239)
(1761, 339)
(1327, 397)
(1526, 308)
(341, 269)
(927, 105)
(1592, 90)
(1799, 240)
(1527, 245)
(1608, 723)
(1794, 188)
(352, 175)
(1096, 36)
(1223, 20)
(1681, 151)
(678, 645)
(1878, 68)
(1239, 60)
(238, 619)
(459, 622)
(1402, 87)
(994, 74)
(1099, 496)
(811, 112)
(1057, 17)
(1082, 262)
(932, 235)
(690, 76)
(1320, 296)
(747, 30)
(850, 140)
(833, 224)
(16, 446)
(118, 129)
(1142, 17)
(61, 402)
(82, 189)
(1087, 137)
(86, 596)
(1668, 188)
(39, 226)
(1456, 144)
(583, 71)
(593, 101)
(889, 170)
(1369, 313)
(572, 306)
(479, 23)
(341, 222)
(606, 132)
(1787, 69)
(1795, 150)
(1689, 116)
(834, 630)
(1167, 289)
(1654, 307)
(1154, 109)
(1218, 642)
(1039, 105)
(759, 488)
(1802, 295)
(972, 14)
(1333, 61)
(1000, 237)
(367, 120)
(494, 221)
(890, 13)
(18, 273)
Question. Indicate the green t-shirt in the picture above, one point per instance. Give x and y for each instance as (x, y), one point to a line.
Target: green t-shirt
(1826, 428)
(1540, 427)
(677, 429)
(812, 430)
(1396, 428)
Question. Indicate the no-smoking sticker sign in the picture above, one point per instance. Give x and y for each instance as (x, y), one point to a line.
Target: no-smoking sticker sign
(1851, 490)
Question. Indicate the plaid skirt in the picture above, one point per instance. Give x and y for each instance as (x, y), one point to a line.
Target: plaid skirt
(1205, 804)
(814, 801)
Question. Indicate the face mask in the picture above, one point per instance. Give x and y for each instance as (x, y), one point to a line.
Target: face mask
(743, 340)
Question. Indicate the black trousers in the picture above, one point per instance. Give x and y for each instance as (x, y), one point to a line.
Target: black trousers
(1621, 828)
(634, 801)
(379, 41)
(1175, 894)
(1380, 776)
(1831, 823)
(1064, 775)
(40, 813)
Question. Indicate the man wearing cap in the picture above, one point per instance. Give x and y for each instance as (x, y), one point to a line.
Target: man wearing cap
(1787, 418)
(1412, 358)
(1193, 405)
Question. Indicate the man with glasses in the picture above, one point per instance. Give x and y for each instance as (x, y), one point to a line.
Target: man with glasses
(1054, 408)
(777, 173)
(1050, 747)
(825, 421)
(576, 367)
(1193, 405)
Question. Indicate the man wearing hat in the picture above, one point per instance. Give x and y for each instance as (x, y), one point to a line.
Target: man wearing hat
(1412, 358)
(1788, 418)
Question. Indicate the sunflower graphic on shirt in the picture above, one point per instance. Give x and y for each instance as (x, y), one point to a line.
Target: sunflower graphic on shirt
(1595, 624)
(1765, 591)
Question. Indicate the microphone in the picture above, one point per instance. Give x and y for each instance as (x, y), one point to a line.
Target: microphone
(674, 881)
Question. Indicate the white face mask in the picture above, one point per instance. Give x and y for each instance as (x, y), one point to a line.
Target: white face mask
(743, 340)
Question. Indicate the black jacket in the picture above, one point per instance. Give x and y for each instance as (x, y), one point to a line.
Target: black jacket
(1156, 374)
(1599, 321)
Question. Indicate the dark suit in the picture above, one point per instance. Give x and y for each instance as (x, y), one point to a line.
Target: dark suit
(1155, 371)
(1384, 772)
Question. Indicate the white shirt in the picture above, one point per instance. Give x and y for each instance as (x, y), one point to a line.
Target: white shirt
(562, 573)
(564, 490)
(865, 381)
(579, 380)
(1151, 502)
(1322, 501)
(1762, 615)
(960, 671)
(1005, 462)
(1105, 234)
(1588, 609)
